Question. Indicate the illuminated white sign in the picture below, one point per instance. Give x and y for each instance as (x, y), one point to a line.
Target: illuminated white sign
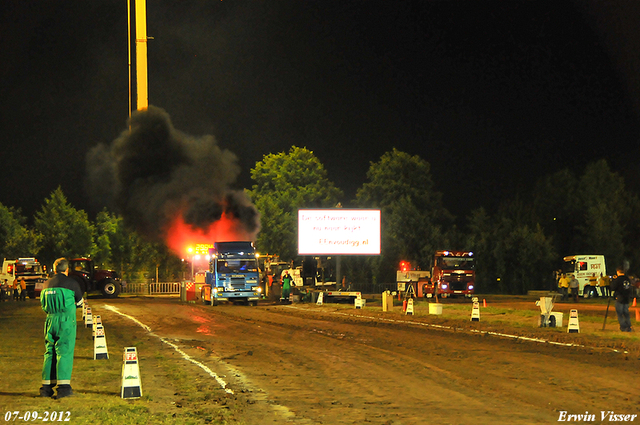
(339, 231)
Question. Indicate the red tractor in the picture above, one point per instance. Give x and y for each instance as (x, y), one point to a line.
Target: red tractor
(92, 279)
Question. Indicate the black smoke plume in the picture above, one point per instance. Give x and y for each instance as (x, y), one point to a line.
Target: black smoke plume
(153, 172)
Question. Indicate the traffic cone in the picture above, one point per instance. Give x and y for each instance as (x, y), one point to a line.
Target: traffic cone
(484, 302)
(96, 321)
(574, 326)
(88, 319)
(100, 344)
(409, 310)
(637, 315)
(634, 303)
(475, 311)
(320, 298)
(131, 384)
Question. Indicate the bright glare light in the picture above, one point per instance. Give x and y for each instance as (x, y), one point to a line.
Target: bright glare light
(190, 250)
(208, 257)
(197, 257)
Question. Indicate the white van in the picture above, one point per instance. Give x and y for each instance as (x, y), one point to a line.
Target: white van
(583, 267)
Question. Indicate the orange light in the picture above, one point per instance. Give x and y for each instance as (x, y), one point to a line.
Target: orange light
(227, 228)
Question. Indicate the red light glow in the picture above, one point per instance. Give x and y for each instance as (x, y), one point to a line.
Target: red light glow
(181, 235)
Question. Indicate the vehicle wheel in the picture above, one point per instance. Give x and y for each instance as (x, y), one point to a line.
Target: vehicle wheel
(110, 288)
(253, 303)
(214, 302)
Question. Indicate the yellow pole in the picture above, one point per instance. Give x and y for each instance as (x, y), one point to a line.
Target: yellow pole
(129, 50)
(141, 54)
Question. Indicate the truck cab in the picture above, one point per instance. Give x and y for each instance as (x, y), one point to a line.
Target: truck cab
(233, 274)
(453, 273)
(28, 268)
(583, 267)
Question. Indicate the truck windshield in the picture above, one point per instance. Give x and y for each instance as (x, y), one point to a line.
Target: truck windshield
(237, 266)
(569, 266)
(28, 269)
(463, 263)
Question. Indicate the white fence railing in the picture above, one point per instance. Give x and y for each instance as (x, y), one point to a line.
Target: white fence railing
(152, 288)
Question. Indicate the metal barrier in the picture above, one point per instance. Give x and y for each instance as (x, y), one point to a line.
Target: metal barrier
(151, 288)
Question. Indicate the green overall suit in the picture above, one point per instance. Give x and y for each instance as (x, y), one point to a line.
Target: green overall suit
(59, 300)
(286, 287)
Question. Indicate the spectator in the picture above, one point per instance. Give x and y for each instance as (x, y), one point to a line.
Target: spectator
(3, 290)
(574, 285)
(603, 283)
(59, 299)
(593, 282)
(286, 286)
(622, 287)
(15, 291)
(563, 283)
(23, 289)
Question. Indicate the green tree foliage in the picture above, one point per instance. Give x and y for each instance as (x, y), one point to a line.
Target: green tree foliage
(480, 240)
(414, 222)
(284, 183)
(16, 239)
(125, 251)
(555, 201)
(65, 231)
(513, 255)
(589, 214)
(105, 228)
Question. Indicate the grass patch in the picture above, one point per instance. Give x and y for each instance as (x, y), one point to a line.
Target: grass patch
(172, 392)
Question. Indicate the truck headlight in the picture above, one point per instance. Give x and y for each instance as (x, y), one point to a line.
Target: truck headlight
(444, 286)
(470, 286)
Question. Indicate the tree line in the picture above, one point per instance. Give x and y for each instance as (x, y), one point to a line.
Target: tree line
(517, 247)
(59, 229)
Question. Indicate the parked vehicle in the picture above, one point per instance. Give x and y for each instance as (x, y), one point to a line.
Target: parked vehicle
(93, 279)
(584, 267)
(28, 268)
(453, 273)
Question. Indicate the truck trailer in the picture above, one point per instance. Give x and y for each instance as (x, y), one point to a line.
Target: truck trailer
(233, 274)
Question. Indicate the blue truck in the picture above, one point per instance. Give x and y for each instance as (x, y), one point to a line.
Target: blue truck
(233, 274)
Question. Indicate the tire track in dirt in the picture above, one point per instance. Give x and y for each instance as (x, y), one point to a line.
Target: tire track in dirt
(305, 367)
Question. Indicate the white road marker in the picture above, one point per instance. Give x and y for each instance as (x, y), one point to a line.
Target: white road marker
(214, 375)
(498, 334)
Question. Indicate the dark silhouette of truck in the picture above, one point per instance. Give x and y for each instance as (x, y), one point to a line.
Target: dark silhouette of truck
(93, 279)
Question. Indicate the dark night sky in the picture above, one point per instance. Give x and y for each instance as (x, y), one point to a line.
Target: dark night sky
(492, 94)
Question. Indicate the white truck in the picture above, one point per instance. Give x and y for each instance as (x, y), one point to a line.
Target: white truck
(29, 269)
(584, 267)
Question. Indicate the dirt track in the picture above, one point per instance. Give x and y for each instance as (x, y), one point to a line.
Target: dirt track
(331, 365)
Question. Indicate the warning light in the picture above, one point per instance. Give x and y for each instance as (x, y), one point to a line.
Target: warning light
(405, 266)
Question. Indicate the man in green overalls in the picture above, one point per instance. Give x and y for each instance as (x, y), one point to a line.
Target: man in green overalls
(59, 299)
(286, 286)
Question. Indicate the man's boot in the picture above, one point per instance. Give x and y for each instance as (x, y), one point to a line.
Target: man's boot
(46, 391)
(64, 391)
